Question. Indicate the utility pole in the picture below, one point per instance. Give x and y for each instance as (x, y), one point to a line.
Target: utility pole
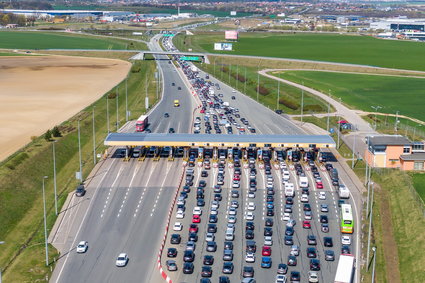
(45, 224)
(54, 178)
(117, 109)
(79, 152)
(94, 138)
(376, 108)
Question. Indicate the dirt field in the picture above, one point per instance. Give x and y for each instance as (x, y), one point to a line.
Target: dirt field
(40, 92)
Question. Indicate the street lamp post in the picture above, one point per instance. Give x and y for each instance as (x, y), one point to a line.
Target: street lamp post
(237, 76)
(214, 65)
(396, 121)
(376, 108)
(117, 109)
(414, 131)
(1, 243)
(354, 150)
(45, 224)
(374, 263)
(278, 94)
(302, 103)
(370, 226)
(94, 138)
(126, 100)
(54, 178)
(244, 87)
(107, 113)
(79, 152)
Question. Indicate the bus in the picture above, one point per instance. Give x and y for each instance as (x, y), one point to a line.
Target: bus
(142, 123)
(345, 269)
(347, 221)
(176, 103)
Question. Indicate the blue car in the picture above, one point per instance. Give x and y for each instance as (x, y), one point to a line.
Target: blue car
(270, 205)
(266, 262)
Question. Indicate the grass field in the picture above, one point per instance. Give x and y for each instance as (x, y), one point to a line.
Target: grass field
(20, 178)
(42, 40)
(405, 95)
(419, 184)
(322, 47)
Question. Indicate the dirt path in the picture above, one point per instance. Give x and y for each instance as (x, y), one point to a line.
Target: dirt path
(39, 92)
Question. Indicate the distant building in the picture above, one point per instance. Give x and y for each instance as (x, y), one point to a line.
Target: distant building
(399, 25)
(395, 151)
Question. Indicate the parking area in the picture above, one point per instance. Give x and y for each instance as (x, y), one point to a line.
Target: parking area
(258, 218)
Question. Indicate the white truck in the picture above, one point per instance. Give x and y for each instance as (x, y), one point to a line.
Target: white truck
(345, 269)
(343, 192)
(289, 190)
(193, 68)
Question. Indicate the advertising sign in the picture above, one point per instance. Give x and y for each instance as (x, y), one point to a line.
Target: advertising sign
(231, 35)
(232, 13)
(224, 46)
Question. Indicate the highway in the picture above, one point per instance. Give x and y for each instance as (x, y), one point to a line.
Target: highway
(127, 203)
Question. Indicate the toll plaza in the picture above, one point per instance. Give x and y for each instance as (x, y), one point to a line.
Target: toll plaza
(205, 149)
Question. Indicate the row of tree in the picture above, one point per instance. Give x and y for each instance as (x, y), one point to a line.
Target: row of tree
(7, 18)
(26, 5)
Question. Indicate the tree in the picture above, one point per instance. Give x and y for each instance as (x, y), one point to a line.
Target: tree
(56, 133)
(48, 135)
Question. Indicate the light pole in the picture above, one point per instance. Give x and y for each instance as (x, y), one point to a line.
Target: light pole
(396, 121)
(126, 99)
(278, 94)
(107, 113)
(1, 243)
(376, 108)
(244, 87)
(45, 224)
(258, 80)
(54, 177)
(117, 108)
(214, 65)
(79, 152)
(370, 226)
(237, 76)
(374, 263)
(327, 120)
(230, 70)
(94, 138)
(414, 131)
(302, 103)
(354, 150)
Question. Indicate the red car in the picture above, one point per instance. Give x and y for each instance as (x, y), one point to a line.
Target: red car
(266, 251)
(202, 111)
(236, 177)
(306, 224)
(196, 219)
(319, 185)
(193, 228)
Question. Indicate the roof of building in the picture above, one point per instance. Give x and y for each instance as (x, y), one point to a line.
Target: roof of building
(155, 139)
(389, 140)
(418, 156)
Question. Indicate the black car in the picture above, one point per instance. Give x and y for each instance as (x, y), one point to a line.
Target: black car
(233, 97)
(213, 219)
(212, 228)
(270, 212)
(251, 246)
(311, 252)
(211, 246)
(329, 255)
(172, 252)
(327, 242)
(289, 240)
(173, 84)
(314, 264)
(171, 131)
(278, 111)
(292, 260)
(200, 202)
(223, 279)
(268, 231)
(179, 88)
(269, 222)
(228, 268)
(188, 268)
(204, 173)
(282, 268)
(228, 245)
(289, 200)
(248, 272)
(80, 191)
(175, 239)
(166, 115)
(249, 225)
(311, 240)
(323, 219)
(295, 276)
(329, 166)
(206, 271)
(289, 231)
(188, 256)
(307, 207)
(249, 235)
(208, 260)
(193, 237)
(345, 249)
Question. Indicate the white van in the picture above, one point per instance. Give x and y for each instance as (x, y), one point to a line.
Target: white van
(289, 190)
(343, 191)
(303, 182)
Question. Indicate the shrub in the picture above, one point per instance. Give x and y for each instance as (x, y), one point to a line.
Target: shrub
(15, 161)
(112, 95)
(48, 135)
(56, 133)
(289, 103)
(262, 90)
(313, 108)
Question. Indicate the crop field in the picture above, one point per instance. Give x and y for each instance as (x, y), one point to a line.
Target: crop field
(351, 49)
(402, 94)
(42, 40)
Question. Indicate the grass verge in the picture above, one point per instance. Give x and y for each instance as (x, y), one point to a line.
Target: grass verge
(20, 184)
(419, 184)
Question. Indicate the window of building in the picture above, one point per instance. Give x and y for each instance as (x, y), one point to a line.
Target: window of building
(418, 165)
(418, 147)
(393, 160)
(406, 149)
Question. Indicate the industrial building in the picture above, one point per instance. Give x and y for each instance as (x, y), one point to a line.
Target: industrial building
(399, 25)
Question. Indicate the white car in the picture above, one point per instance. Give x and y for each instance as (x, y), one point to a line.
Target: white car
(250, 215)
(214, 211)
(304, 198)
(280, 278)
(251, 206)
(215, 204)
(122, 260)
(231, 219)
(250, 257)
(197, 210)
(251, 195)
(322, 195)
(178, 226)
(190, 246)
(291, 223)
(346, 240)
(180, 215)
(286, 216)
(268, 241)
(232, 211)
(236, 184)
(209, 237)
(313, 277)
(82, 247)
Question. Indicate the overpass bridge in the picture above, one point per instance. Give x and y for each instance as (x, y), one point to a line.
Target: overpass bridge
(142, 54)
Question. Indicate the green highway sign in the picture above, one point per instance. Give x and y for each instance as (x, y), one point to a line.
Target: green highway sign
(189, 58)
(168, 34)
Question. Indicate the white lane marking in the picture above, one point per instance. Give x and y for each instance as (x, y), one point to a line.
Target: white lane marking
(129, 186)
(110, 190)
(169, 165)
(145, 187)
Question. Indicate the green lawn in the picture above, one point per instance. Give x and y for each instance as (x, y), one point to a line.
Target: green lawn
(393, 94)
(419, 184)
(42, 40)
(322, 47)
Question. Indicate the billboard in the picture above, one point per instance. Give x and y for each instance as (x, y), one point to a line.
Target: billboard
(224, 46)
(232, 13)
(231, 35)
